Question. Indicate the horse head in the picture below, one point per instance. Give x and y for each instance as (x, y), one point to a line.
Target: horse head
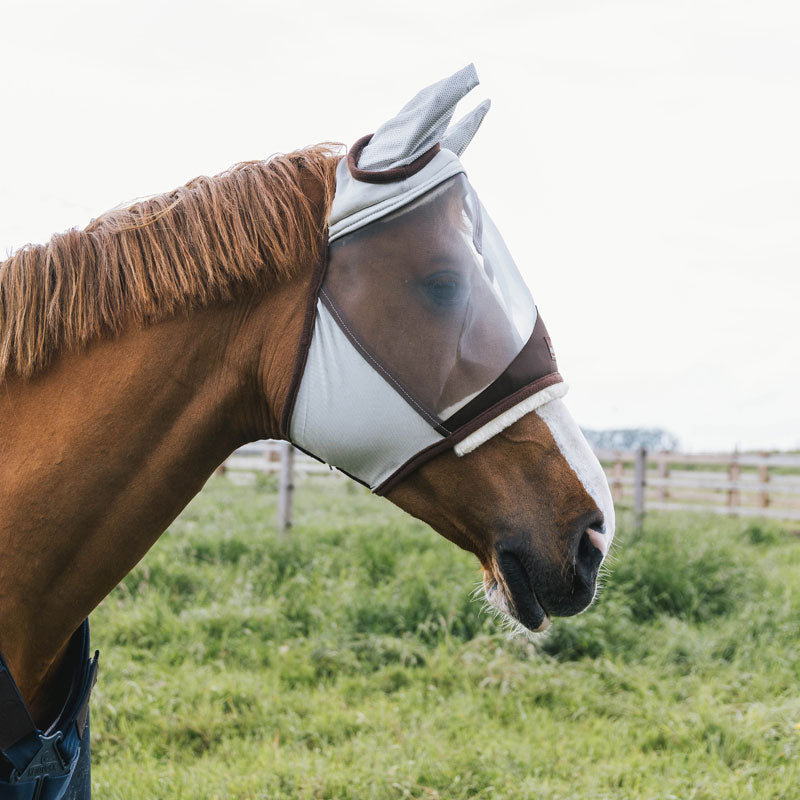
(427, 374)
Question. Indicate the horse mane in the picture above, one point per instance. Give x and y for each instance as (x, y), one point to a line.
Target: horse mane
(246, 228)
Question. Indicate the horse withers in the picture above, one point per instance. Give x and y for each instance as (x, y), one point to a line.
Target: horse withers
(365, 308)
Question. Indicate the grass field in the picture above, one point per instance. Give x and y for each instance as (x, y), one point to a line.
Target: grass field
(352, 663)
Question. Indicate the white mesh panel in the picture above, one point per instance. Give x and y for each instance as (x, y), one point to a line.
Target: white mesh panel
(348, 415)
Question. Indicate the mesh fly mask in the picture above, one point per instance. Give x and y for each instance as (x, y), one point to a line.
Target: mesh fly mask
(424, 333)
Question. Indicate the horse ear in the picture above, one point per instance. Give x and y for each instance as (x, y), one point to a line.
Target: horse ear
(419, 125)
(458, 136)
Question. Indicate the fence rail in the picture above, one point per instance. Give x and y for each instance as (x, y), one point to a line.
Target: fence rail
(736, 484)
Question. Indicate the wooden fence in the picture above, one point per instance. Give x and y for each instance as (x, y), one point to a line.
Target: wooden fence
(273, 457)
(737, 484)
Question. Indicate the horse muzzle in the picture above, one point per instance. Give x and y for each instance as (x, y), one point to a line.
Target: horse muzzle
(536, 588)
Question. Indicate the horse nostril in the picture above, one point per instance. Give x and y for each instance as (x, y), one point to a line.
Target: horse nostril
(590, 556)
(598, 539)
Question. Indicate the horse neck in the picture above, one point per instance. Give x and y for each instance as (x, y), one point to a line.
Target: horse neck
(103, 450)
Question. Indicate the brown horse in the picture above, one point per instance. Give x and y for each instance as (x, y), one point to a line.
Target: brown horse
(137, 354)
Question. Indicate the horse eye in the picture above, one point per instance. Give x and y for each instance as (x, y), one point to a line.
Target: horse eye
(445, 289)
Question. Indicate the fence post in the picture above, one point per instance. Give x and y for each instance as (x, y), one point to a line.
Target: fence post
(663, 474)
(763, 477)
(285, 488)
(734, 473)
(272, 453)
(639, 479)
(617, 487)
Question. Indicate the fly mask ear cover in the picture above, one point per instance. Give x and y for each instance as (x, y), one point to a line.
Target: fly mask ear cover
(421, 332)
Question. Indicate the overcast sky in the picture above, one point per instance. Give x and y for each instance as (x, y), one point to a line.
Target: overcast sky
(641, 159)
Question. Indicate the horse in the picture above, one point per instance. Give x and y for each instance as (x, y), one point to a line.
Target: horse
(138, 353)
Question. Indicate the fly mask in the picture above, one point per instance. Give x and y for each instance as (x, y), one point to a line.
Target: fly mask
(421, 333)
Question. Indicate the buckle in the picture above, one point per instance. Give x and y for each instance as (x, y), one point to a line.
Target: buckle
(48, 762)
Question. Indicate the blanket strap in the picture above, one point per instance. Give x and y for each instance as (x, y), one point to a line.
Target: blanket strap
(41, 765)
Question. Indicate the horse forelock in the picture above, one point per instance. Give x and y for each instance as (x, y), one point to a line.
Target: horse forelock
(246, 228)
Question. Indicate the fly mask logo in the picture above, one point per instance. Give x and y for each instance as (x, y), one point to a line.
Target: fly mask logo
(425, 334)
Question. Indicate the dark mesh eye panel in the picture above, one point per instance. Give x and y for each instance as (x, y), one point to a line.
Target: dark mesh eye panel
(377, 364)
(432, 299)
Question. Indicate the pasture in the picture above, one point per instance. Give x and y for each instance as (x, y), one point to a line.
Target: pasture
(351, 662)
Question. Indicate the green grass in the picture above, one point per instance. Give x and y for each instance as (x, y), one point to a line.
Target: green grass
(350, 662)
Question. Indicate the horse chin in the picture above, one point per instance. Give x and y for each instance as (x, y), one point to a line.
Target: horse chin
(520, 611)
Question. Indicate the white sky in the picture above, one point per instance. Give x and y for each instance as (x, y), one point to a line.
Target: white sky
(641, 159)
